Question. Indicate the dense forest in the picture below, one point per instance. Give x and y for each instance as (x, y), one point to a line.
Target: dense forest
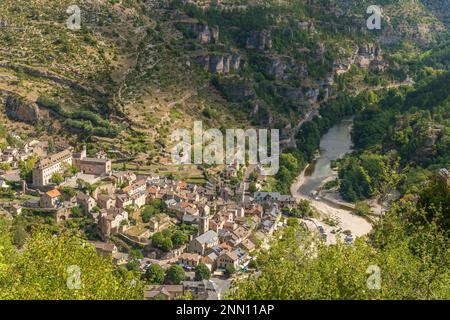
(399, 140)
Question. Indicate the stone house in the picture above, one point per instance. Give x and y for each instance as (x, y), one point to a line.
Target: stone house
(203, 242)
(163, 292)
(104, 249)
(190, 259)
(112, 221)
(50, 199)
(86, 202)
(228, 259)
(106, 201)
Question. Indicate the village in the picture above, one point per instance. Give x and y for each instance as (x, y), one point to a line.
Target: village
(201, 236)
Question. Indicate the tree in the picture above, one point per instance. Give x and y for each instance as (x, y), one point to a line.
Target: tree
(202, 272)
(179, 238)
(292, 222)
(57, 178)
(154, 274)
(412, 257)
(253, 176)
(61, 266)
(174, 275)
(252, 187)
(146, 215)
(229, 270)
(162, 241)
(5, 166)
(362, 208)
(26, 168)
(157, 239)
(68, 192)
(134, 266)
(76, 212)
(136, 254)
(19, 234)
(51, 147)
(304, 208)
(166, 245)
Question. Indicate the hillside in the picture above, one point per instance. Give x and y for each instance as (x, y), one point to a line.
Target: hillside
(144, 66)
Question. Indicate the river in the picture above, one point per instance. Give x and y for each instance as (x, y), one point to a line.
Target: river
(333, 145)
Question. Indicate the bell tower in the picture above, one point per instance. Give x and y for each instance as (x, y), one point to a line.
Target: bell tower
(203, 224)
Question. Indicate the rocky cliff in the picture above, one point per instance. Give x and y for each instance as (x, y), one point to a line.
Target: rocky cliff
(19, 109)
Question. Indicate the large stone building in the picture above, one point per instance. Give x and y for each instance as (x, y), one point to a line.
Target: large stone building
(203, 242)
(45, 168)
(95, 166)
(59, 162)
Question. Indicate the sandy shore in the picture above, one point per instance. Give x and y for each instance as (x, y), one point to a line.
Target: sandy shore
(347, 220)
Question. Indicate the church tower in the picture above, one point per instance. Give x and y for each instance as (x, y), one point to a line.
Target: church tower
(203, 224)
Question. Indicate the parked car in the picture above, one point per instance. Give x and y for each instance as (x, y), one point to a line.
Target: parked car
(348, 238)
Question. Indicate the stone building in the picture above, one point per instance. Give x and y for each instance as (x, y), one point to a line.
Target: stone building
(45, 168)
(95, 166)
(203, 242)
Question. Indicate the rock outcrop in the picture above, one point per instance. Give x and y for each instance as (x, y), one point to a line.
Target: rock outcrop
(203, 32)
(48, 75)
(19, 109)
(278, 66)
(239, 91)
(369, 56)
(259, 40)
(219, 63)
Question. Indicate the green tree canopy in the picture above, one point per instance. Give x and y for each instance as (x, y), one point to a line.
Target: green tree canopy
(202, 272)
(412, 260)
(175, 274)
(155, 274)
(60, 267)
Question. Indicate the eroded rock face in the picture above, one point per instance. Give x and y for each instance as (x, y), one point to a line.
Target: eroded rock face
(204, 33)
(19, 109)
(218, 63)
(239, 91)
(259, 40)
(312, 94)
(278, 66)
(369, 56)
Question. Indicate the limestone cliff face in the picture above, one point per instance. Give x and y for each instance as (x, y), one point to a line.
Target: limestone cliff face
(278, 66)
(203, 32)
(219, 63)
(368, 56)
(259, 40)
(19, 109)
(239, 91)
